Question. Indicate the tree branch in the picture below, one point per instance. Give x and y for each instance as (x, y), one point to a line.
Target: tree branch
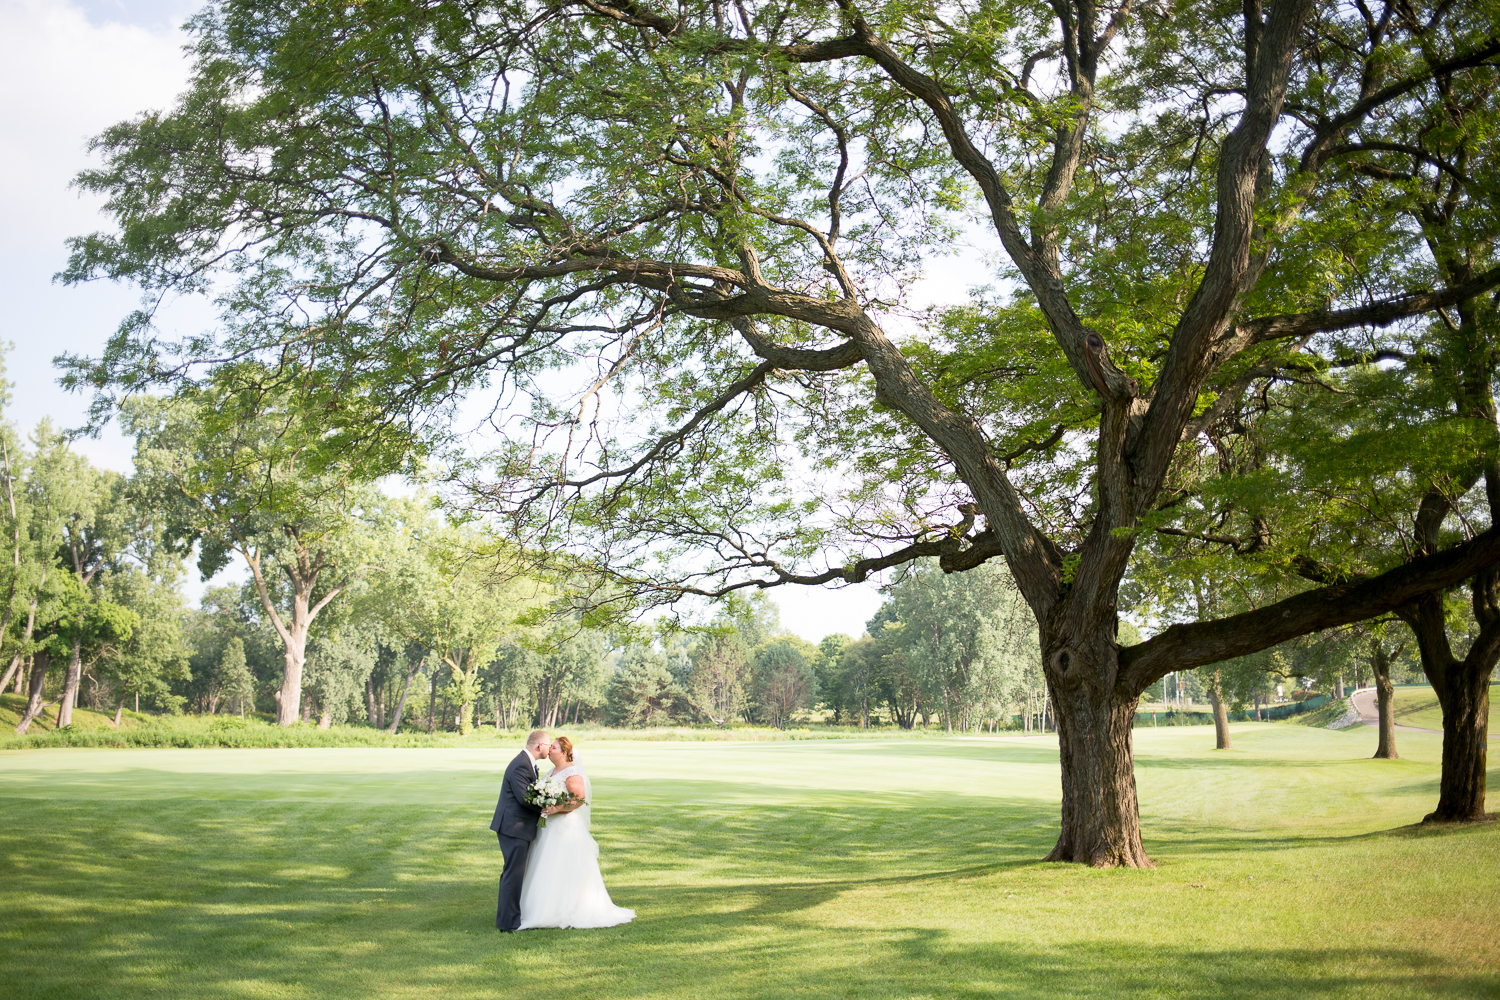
(1183, 647)
(1381, 313)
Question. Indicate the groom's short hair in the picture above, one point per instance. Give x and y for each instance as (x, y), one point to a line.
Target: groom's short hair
(535, 739)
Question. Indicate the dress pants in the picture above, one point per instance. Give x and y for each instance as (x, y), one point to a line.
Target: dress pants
(514, 850)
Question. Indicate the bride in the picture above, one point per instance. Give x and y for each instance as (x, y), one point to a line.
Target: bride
(563, 887)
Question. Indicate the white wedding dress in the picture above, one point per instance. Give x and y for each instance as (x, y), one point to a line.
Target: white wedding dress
(563, 886)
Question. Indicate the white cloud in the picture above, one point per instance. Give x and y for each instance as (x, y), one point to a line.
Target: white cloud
(66, 78)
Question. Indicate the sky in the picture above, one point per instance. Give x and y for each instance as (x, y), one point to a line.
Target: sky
(71, 69)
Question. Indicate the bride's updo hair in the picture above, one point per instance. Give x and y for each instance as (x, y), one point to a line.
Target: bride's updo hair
(566, 746)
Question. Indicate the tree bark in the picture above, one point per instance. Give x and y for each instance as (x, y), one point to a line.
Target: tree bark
(70, 685)
(120, 712)
(411, 673)
(1463, 691)
(1466, 707)
(432, 704)
(13, 671)
(294, 657)
(370, 703)
(34, 703)
(1385, 696)
(1221, 713)
(1101, 823)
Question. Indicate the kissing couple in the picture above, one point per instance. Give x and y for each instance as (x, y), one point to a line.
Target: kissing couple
(551, 876)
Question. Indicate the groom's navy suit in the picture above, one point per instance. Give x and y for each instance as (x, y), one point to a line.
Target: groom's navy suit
(515, 824)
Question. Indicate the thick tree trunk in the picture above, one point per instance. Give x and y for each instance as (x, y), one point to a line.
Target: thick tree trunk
(1466, 709)
(1463, 691)
(294, 657)
(34, 703)
(120, 712)
(325, 719)
(1221, 713)
(1101, 823)
(70, 686)
(1385, 696)
(374, 716)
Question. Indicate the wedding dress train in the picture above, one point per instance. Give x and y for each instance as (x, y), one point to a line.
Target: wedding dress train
(563, 886)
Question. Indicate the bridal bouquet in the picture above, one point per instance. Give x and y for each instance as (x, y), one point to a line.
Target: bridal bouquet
(546, 792)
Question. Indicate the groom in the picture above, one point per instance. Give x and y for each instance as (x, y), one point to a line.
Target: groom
(515, 824)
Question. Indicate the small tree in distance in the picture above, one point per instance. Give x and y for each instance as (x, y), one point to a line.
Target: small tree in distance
(783, 682)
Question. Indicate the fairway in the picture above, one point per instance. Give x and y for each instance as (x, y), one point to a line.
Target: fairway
(857, 868)
(1418, 707)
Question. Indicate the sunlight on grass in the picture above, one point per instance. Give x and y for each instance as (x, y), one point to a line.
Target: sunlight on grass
(1418, 707)
(1288, 867)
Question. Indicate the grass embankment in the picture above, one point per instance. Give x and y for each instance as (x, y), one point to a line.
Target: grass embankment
(141, 730)
(859, 869)
(1320, 718)
(1418, 707)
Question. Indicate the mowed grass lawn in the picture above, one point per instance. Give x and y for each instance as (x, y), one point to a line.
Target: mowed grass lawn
(1288, 867)
(1418, 707)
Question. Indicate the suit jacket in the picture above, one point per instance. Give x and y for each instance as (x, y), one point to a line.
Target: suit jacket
(514, 816)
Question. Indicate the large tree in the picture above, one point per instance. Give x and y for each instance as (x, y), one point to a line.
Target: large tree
(1404, 457)
(965, 638)
(454, 591)
(707, 215)
(234, 472)
(85, 511)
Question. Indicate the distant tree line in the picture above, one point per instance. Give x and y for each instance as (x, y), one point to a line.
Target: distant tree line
(366, 608)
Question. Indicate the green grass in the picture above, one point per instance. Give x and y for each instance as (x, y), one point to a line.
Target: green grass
(1418, 707)
(1288, 868)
